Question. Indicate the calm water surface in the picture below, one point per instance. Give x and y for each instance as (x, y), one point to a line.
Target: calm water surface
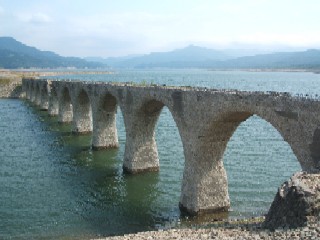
(53, 186)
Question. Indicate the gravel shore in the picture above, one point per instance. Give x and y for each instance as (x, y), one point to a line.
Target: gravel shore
(231, 231)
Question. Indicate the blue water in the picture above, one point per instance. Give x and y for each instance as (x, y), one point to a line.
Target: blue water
(53, 186)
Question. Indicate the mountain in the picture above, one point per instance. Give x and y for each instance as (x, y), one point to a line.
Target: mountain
(200, 57)
(186, 57)
(309, 59)
(14, 54)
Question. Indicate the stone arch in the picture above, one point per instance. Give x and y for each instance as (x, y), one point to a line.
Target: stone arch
(205, 185)
(224, 126)
(105, 133)
(141, 152)
(82, 113)
(65, 106)
(53, 107)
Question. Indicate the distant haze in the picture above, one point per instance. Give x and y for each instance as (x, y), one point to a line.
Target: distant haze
(109, 28)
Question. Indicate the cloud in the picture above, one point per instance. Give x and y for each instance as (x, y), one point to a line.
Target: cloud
(34, 18)
(39, 18)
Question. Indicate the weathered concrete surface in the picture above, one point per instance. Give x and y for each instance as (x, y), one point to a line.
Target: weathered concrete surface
(297, 201)
(10, 88)
(206, 119)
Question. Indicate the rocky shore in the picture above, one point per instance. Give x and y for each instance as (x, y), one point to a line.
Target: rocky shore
(294, 214)
(229, 232)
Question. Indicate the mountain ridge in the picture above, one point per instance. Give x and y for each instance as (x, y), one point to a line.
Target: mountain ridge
(14, 54)
(200, 57)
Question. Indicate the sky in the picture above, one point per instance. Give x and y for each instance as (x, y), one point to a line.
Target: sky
(110, 28)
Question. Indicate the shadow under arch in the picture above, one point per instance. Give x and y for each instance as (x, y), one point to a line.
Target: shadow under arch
(257, 160)
(82, 113)
(65, 106)
(105, 134)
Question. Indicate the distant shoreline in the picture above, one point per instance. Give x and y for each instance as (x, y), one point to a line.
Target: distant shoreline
(16, 73)
(316, 71)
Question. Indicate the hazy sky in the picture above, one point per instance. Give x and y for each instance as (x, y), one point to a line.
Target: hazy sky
(120, 27)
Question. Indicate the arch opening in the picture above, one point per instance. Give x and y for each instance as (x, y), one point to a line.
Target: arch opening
(205, 182)
(171, 163)
(105, 133)
(65, 106)
(82, 114)
(257, 160)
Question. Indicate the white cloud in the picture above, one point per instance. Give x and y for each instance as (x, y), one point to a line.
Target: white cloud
(34, 18)
(40, 18)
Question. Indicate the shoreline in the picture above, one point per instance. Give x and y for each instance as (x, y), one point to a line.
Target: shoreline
(236, 229)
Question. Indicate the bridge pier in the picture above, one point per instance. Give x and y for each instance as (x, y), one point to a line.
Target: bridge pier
(82, 114)
(105, 133)
(53, 106)
(37, 99)
(44, 101)
(65, 107)
(204, 186)
(32, 94)
(26, 87)
(141, 153)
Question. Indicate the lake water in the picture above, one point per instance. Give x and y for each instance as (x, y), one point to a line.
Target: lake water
(53, 186)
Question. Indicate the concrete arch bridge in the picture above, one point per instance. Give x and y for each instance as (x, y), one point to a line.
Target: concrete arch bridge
(206, 119)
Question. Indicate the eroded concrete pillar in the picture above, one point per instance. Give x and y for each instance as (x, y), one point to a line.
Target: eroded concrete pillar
(82, 114)
(65, 107)
(205, 186)
(141, 153)
(37, 99)
(28, 93)
(53, 105)
(104, 126)
(44, 102)
(32, 93)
